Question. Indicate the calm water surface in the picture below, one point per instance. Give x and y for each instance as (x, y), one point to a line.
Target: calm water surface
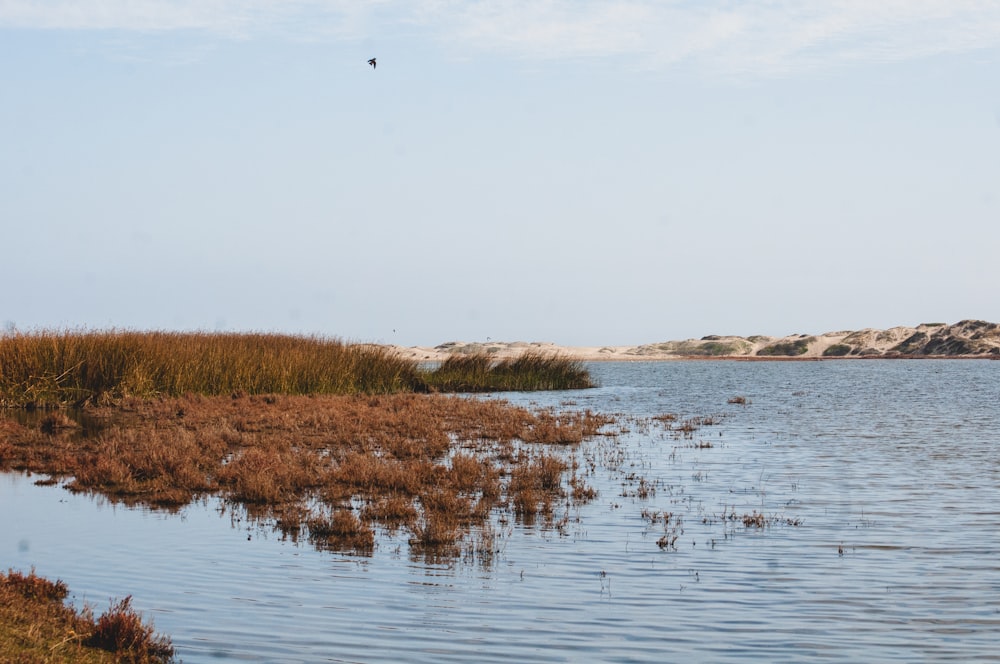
(891, 469)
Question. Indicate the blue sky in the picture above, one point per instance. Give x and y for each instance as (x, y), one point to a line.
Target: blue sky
(576, 172)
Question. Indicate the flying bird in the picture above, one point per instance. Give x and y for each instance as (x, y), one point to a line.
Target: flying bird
(372, 63)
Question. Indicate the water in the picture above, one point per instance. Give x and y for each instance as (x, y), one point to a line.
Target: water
(891, 469)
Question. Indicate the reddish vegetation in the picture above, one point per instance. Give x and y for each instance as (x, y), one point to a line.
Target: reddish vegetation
(121, 630)
(437, 466)
(37, 626)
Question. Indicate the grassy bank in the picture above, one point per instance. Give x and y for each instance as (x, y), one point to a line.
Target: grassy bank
(36, 625)
(51, 368)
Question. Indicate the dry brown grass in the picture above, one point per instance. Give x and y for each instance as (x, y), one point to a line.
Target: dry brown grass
(37, 626)
(341, 530)
(33, 587)
(122, 631)
(437, 466)
(392, 511)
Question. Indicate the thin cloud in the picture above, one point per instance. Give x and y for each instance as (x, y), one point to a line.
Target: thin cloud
(226, 18)
(765, 38)
(145, 15)
(760, 37)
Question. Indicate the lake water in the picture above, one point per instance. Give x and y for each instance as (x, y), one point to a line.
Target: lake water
(890, 469)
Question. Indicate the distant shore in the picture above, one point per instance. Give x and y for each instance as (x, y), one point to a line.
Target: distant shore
(967, 339)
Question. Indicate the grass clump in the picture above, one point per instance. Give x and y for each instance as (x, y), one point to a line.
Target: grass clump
(122, 631)
(341, 530)
(37, 626)
(526, 372)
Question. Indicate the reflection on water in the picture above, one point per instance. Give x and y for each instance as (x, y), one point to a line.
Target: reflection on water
(891, 469)
(77, 419)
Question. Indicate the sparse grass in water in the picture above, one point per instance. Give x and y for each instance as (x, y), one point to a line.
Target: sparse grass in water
(758, 520)
(342, 530)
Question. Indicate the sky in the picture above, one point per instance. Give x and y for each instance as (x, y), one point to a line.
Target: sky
(579, 172)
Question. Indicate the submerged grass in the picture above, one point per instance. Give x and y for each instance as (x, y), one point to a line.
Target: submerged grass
(331, 467)
(53, 368)
(37, 626)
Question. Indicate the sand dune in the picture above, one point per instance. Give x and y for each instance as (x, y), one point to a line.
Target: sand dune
(968, 338)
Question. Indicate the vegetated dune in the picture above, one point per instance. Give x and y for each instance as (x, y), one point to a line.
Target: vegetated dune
(967, 338)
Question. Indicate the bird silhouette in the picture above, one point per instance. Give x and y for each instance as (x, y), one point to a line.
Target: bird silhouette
(372, 63)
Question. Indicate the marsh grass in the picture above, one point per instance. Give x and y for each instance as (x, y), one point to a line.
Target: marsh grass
(526, 372)
(462, 373)
(334, 467)
(37, 626)
(275, 423)
(342, 530)
(72, 368)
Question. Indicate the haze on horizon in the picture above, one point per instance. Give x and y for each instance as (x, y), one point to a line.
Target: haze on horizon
(583, 173)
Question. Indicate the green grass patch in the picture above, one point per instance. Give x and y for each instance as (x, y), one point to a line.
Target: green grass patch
(721, 348)
(912, 344)
(787, 348)
(837, 350)
(705, 347)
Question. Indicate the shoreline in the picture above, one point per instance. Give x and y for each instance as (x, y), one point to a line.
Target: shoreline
(850, 359)
(438, 357)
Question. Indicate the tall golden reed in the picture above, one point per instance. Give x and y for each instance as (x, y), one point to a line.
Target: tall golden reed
(73, 368)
